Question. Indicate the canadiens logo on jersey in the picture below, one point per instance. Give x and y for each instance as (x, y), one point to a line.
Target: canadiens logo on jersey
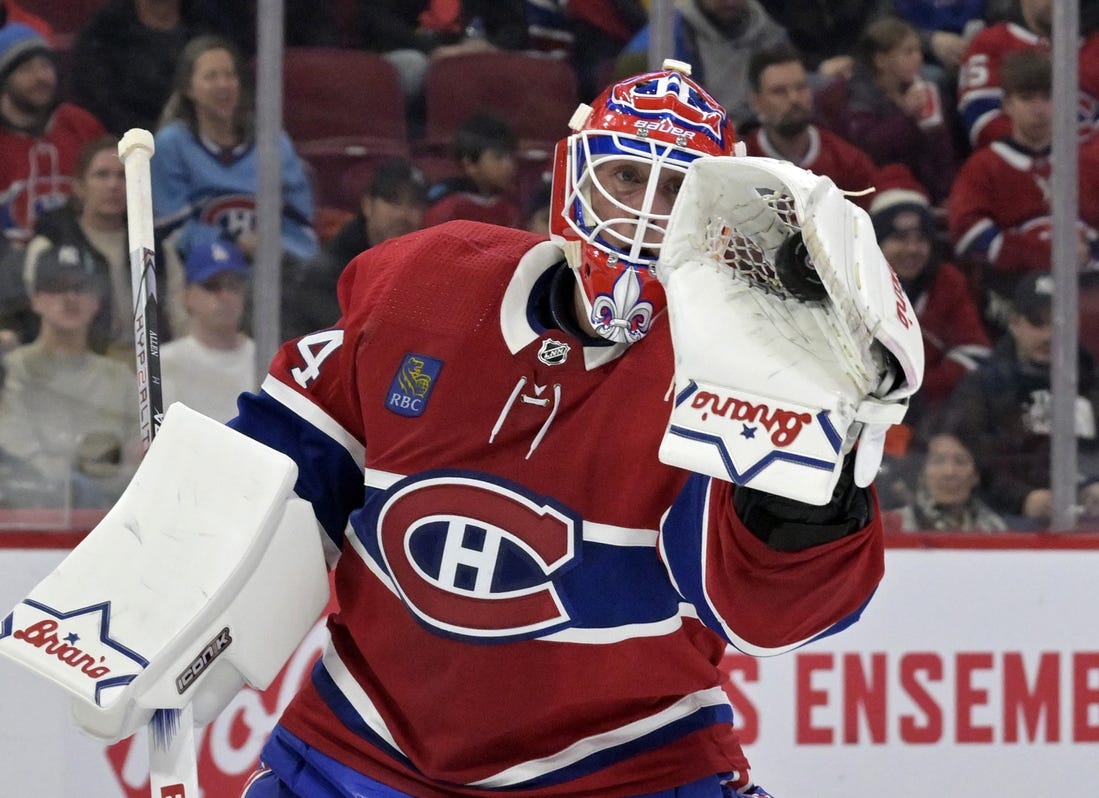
(449, 541)
(412, 385)
(233, 213)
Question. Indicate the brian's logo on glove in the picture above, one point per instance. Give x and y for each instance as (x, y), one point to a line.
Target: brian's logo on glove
(749, 439)
(73, 647)
(783, 425)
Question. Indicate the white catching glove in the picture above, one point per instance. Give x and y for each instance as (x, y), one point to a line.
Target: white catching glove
(793, 338)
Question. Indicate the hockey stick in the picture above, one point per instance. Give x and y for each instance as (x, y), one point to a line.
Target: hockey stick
(173, 766)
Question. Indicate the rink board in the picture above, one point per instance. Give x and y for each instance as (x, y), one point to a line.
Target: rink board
(976, 664)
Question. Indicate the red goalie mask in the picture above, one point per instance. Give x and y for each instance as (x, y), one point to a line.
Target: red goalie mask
(614, 182)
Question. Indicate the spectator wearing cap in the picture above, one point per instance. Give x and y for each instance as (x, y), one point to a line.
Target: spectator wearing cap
(40, 137)
(93, 220)
(67, 411)
(392, 205)
(1006, 404)
(782, 101)
(208, 368)
(954, 336)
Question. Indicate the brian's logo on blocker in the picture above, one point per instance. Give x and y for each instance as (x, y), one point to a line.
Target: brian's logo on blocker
(412, 385)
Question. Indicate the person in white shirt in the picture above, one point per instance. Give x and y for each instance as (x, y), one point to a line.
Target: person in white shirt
(215, 362)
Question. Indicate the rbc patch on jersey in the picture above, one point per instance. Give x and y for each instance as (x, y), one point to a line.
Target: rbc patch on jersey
(412, 385)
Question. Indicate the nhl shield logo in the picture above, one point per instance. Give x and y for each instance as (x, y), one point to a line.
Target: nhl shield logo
(553, 353)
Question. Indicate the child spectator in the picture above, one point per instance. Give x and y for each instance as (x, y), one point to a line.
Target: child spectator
(66, 411)
(392, 205)
(893, 113)
(215, 362)
(485, 147)
(40, 137)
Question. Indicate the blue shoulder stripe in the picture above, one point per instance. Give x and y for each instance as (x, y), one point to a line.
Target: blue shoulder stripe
(328, 476)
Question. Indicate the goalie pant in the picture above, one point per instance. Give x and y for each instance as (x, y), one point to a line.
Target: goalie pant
(513, 613)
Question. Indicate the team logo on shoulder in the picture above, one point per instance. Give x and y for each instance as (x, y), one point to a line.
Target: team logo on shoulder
(412, 385)
(553, 353)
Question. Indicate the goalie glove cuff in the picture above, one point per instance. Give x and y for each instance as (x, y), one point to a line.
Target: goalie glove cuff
(789, 525)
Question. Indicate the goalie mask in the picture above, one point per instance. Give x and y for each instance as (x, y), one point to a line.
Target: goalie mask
(614, 182)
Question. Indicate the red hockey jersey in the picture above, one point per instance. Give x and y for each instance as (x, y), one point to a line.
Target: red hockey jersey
(36, 172)
(530, 602)
(830, 155)
(999, 208)
(979, 94)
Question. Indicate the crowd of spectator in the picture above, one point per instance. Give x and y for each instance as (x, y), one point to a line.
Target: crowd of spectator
(935, 117)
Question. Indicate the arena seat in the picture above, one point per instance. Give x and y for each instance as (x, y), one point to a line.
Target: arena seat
(344, 110)
(535, 94)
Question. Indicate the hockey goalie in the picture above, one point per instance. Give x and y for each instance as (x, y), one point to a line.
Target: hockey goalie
(555, 481)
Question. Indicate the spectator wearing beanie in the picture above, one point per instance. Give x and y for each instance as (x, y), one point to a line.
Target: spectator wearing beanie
(954, 336)
(40, 137)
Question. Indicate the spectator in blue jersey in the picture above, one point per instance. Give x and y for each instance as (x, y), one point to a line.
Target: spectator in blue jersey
(205, 172)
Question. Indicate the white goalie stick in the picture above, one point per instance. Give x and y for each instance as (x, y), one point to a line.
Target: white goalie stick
(793, 338)
(173, 767)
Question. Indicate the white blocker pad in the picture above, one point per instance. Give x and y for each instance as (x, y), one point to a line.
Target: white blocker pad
(772, 390)
(206, 574)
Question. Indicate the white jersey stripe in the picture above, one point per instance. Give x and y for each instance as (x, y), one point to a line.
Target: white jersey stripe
(584, 748)
(620, 634)
(356, 696)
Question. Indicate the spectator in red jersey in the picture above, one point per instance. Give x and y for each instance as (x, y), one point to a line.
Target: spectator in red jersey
(783, 102)
(40, 137)
(999, 208)
(893, 113)
(954, 337)
(485, 148)
(980, 90)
